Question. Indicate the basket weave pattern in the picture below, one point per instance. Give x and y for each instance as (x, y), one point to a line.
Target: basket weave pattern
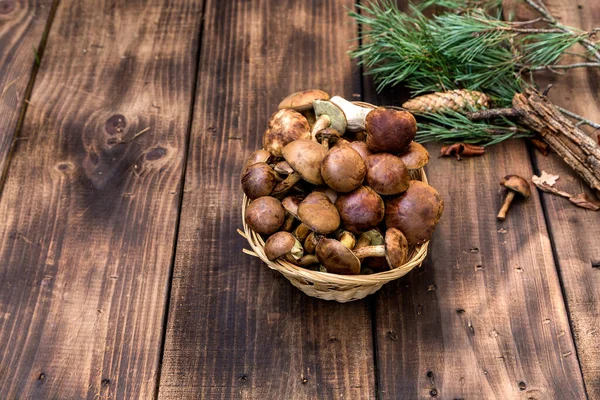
(326, 286)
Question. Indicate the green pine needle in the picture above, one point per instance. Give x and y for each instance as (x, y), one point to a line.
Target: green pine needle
(465, 46)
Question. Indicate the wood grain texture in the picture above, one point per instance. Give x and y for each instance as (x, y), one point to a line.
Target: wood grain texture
(484, 318)
(89, 215)
(22, 26)
(575, 231)
(237, 329)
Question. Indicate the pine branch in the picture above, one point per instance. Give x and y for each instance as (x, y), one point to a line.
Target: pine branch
(541, 8)
(560, 66)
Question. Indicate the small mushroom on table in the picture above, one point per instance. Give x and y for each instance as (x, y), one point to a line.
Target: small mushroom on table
(415, 212)
(395, 249)
(515, 185)
(284, 245)
(284, 127)
(265, 215)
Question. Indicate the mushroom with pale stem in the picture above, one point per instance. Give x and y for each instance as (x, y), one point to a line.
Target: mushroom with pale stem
(265, 215)
(284, 127)
(395, 249)
(343, 169)
(258, 180)
(360, 210)
(387, 174)
(285, 245)
(256, 157)
(303, 101)
(337, 258)
(415, 157)
(515, 185)
(305, 157)
(307, 260)
(371, 264)
(328, 115)
(415, 212)
(388, 131)
(318, 213)
(355, 115)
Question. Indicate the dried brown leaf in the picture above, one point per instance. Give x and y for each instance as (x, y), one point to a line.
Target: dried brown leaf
(584, 201)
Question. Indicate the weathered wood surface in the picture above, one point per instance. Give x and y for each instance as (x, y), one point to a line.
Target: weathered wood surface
(237, 329)
(484, 317)
(575, 232)
(22, 27)
(89, 213)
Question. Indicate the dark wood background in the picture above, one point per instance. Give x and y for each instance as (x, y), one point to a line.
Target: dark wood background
(123, 129)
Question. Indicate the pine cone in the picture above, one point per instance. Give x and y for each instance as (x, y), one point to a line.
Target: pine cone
(457, 100)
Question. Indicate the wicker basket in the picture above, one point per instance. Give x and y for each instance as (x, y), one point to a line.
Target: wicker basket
(326, 286)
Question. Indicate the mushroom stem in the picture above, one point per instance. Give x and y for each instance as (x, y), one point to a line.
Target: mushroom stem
(364, 240)
(347, 239)
(288, 224)
(321, 123)
(311, 242)
(370, 251)
(301, 232)
(307, 260)
(507, 202)
(283, 187)
(355, 115)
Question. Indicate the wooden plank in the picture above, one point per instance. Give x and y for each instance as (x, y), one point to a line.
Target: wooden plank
(91, 200)
(22, 27)
(484, 317)
(237, 329)
(575, 231)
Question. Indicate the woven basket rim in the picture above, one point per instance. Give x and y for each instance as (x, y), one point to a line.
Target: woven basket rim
(291, 271)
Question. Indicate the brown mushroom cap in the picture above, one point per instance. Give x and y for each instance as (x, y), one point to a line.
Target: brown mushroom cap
(302, 101)
(337, 258)
(396, 248)
(305, 157)
(361, 148)
(360, 210)
(516, 184)
(285, 126)
(343, 169)
(260, 155)
(415, 212)
(265, 215)
(387, 174)
(318, 213)
(390, 131)
(282, 243)
(258, 180)
(415, 157)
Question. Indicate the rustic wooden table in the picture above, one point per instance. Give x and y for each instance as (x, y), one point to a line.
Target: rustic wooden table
(123, 128)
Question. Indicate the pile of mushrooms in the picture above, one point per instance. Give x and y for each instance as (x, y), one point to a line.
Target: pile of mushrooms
(331, 189)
